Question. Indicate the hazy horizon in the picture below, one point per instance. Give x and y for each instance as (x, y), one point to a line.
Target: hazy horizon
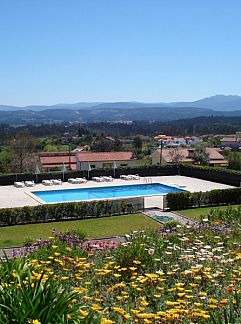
(129, 101)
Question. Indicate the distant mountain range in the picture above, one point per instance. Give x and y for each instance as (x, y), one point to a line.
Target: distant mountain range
(218, 102)
(218, 105)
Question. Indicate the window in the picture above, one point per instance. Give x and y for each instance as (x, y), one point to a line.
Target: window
(92, 166)
(107, 165)
(123, 164)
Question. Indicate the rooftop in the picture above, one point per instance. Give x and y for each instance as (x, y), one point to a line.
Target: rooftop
(105, 156)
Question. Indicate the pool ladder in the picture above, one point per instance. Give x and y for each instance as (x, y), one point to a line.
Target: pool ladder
(147, 180)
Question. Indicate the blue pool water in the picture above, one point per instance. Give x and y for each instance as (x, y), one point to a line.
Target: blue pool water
(104, 192)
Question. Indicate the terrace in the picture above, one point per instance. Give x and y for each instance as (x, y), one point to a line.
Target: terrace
(19, 197)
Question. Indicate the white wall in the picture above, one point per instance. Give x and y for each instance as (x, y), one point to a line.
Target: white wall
(102, 164)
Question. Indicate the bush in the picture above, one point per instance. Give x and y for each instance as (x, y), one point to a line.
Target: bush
(68, 211)
(185, 200)
(151, 170)
(222, 175)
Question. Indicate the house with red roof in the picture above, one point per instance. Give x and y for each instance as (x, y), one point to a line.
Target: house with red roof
(100, 160)
(231, 142)
(81, 160)
(186, 155)
(55, 160)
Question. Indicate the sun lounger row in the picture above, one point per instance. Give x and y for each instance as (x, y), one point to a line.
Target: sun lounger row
(77, 180)
(130, 177)
(102, 179)
(21, 184)
(52, 182)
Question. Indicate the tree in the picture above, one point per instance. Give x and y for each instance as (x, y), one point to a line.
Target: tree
(105, 145)
(176, 155)
(5, 159)
(234, 160)
(137, 143)
(201, 155)
(22, 147)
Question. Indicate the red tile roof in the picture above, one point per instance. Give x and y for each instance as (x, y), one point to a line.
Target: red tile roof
(184, 155)
(230, 139)
(56, 159)
(105, 156)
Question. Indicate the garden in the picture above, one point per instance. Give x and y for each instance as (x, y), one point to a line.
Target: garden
(173, 274)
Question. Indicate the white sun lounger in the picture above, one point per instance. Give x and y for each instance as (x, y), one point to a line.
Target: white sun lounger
(81, 180)
(56, 181)
(98, 179)
(108, 178)
(134, 176)
(77, 180)
(126, 177)
(72, 180)
(29, 183)
(47, 182)
(19, 184)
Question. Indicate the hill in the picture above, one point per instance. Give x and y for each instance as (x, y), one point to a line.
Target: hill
(217, 103)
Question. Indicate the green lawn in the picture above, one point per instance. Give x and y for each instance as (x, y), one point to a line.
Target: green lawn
(94, 228)
(195, 213)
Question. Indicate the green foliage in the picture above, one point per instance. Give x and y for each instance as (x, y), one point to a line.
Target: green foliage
(228, 215)
(234, 161)
(137, 143)
(68, 211)
(50, 148)
(22, 148)
(188, 275)
(200, 155)
(27, 299)
(143, 170)
(142, 246)
(185, 200)
(106, 145)
(171, 224)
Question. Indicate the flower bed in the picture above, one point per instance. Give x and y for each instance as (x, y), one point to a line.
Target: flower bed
(178, 275)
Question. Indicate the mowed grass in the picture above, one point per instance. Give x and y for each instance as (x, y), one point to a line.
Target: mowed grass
(195, 213)
(94, 228)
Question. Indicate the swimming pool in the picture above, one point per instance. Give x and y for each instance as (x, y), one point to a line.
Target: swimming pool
(96, 193)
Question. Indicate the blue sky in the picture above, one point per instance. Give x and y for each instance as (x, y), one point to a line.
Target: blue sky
(55, 51)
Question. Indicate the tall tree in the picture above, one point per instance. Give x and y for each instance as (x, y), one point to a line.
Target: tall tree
(200, 154)
(176, 155)
(137, 143)
(22, 148)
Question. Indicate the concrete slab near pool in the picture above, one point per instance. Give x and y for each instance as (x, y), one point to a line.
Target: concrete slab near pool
(19, 197)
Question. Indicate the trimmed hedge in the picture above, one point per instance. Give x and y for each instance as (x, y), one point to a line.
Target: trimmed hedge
(221, 175)
(186, 200)
(144, 171)
(69, 211)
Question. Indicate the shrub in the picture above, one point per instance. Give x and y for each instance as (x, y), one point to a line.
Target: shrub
(68, 211)
(185, 200)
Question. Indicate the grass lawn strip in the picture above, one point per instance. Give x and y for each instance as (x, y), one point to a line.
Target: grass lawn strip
(94, 228)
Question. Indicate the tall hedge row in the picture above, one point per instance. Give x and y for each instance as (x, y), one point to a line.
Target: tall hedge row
(185, 200)
(69, 211)
(221, 175)
(144, 171)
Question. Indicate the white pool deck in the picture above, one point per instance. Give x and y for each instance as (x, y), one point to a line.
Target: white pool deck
(19, 197)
